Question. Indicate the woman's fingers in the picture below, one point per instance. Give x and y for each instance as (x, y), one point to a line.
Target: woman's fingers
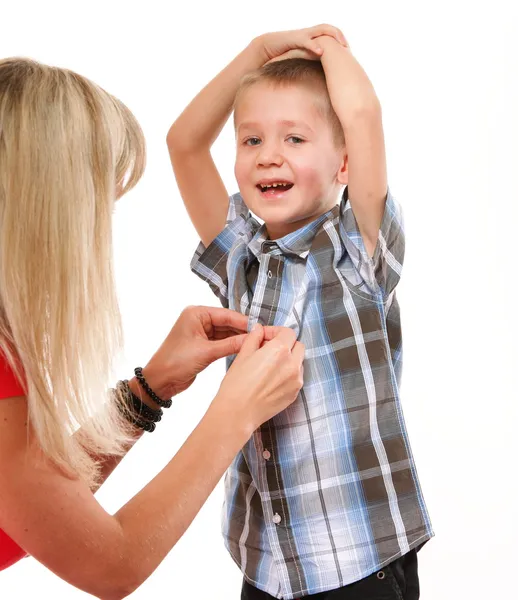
(283, 337)
(223, 317)
(227, 347)
(252, 343)
(298, 353)
(220, 333)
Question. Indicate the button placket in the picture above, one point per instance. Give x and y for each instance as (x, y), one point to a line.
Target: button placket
(270, 274)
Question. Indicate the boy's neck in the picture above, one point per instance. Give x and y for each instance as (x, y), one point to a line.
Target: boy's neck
(277, 232)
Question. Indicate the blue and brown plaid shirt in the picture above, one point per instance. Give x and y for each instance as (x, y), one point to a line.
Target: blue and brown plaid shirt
(326, 492)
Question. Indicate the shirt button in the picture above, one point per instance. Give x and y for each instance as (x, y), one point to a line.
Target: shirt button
(270, 274)
(266, 455)
(276, 518)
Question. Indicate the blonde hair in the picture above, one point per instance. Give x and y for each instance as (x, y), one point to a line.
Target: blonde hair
(298, 72)
(68, 149)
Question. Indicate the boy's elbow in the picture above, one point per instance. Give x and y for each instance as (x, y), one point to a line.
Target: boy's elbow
(177, 140)
(368, 110)
(173, 138)
(182, 140)
(182, 143)
(364, 111)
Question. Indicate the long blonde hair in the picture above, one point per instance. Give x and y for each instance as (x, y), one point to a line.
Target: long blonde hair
(68, 149)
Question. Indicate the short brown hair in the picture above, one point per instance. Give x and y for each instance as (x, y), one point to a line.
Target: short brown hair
(297, 71)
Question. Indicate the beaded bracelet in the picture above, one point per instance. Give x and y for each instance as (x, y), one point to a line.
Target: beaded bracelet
(134, 413)
(141, 408)
(141, 379)
(145, 425)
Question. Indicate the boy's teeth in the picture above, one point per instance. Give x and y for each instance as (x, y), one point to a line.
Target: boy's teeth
(270, 185)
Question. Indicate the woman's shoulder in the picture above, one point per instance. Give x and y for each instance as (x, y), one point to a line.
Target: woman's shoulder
(10, 385)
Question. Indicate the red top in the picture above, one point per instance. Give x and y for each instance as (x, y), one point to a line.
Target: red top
(10, 387)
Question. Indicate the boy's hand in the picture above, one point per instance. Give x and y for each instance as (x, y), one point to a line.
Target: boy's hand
(274, 45)
(296, 53)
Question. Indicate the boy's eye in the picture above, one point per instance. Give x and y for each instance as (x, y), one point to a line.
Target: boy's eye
(295, 139)
(253, 141)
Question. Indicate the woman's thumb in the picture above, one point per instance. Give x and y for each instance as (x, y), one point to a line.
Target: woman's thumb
(253, 341)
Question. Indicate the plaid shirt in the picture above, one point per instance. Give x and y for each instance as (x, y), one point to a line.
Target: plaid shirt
(326, 492)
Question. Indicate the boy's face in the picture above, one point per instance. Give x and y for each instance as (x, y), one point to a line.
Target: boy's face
(282, 138)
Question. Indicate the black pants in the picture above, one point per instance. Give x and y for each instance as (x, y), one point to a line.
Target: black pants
(397, 581)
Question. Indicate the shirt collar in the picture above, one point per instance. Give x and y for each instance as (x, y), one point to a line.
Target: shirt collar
(295, 244)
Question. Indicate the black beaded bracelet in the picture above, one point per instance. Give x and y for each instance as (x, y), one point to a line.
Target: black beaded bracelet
(140, 408)
(141, 379)
(123, 397)
(145, 425)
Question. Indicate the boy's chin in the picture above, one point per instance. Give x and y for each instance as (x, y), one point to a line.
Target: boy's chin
(279, 228)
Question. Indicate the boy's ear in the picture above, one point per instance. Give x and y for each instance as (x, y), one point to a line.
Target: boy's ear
(343, 173)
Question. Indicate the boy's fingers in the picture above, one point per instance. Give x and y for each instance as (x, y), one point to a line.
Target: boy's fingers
(295, 53)
(334, 32)
(315, 47)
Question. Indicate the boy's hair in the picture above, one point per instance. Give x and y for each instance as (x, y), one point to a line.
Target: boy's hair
(67, 149)
(301, 72)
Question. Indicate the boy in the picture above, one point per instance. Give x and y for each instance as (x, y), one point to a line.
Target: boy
(324, 496)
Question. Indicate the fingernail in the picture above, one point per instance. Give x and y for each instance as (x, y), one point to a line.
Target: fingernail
(256, 327)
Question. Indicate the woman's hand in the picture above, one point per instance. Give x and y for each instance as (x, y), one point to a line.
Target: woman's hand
(264, 379)
(275, 44)
(200, 336)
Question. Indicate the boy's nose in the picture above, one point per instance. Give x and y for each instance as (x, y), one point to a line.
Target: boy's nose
(269, 155)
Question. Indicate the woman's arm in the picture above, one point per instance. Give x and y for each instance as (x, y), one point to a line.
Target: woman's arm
(108, 464)
(200, 336)
(58, 520)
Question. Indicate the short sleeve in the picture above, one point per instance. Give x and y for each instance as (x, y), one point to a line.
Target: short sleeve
(383, 271)
(210, 263)
(10, 386)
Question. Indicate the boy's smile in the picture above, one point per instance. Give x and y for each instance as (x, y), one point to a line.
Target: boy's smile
(274, 188)
(288, 166)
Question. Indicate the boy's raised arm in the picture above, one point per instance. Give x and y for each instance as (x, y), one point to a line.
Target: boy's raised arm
(191, 136)
(358, 109)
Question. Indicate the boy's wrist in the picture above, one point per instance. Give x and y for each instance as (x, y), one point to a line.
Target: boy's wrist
(330, 45)
(339, 64)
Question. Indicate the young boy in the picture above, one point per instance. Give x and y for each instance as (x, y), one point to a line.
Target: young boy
(325, 496)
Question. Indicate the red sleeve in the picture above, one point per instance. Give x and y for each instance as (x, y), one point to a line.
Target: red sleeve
(10, 387)
(9, 384)
(10, 552)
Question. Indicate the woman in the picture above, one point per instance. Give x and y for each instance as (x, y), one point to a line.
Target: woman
(67, 151)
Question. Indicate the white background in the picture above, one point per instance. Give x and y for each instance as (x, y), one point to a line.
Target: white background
(446, 76)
